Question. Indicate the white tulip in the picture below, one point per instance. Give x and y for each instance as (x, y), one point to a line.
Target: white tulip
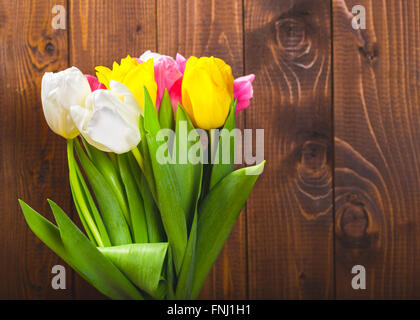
(59, 91)
(152, 55)
(109, 119)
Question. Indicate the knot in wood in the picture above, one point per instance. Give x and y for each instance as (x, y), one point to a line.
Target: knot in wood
(292, 37)
(354, 220)
(49, 48)
(313, 157)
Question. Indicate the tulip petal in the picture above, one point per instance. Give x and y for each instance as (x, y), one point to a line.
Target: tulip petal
(94, 83)
(109, 120)
(127, 97)
(141, 76)
(118, 72)
(147, 55)
(59, 91)
(104, 75)
(80, 117)
(243, 91)
(207, 91)
(109, 129)
(58, 119)
(167, 76)
(181, 62)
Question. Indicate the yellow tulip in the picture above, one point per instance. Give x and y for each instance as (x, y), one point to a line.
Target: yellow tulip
(133, 75)
(207, 91)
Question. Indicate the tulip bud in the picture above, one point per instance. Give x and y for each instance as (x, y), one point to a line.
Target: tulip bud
(109, 119)
(133, 75)
(207, 91)
(59, 91)
(243, 91)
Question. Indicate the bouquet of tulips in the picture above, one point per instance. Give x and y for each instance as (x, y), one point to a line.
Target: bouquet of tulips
(153, 184)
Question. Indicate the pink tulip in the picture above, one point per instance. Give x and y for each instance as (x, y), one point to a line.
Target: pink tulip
(243, 92)
(94, 83)
(168, 76)
(181, 62)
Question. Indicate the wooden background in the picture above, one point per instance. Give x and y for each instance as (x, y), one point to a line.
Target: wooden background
(341, 113)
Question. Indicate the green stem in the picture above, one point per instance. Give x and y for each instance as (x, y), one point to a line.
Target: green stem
(110, 172)
(138, 157)
(78, 196)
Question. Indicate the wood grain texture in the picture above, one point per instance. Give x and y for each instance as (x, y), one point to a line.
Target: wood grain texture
(103, 32)
(377, 155)
(290, 217)
(322, 205)
(33, 159)
(211, 28)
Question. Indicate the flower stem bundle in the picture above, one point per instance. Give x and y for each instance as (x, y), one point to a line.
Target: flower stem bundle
(153, 227)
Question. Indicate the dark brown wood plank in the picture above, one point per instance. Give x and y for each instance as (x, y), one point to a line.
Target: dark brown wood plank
(377, 154)
(290, 216)
(33, 159)
(211, 28)
(106, 31)
(103, 32)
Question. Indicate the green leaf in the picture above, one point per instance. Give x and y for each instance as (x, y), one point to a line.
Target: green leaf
(135, 201)
(113, 216)
(166, 113)
(104, 164)
(142, 263)
(167, 188)
(220, 169)
(217, 215)
(186, 275)
(90, 262)
(151, 121)
(170, 275)
(188, 174)
(113, 158)
(46, 232)
(109, 281)
(144, 150)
